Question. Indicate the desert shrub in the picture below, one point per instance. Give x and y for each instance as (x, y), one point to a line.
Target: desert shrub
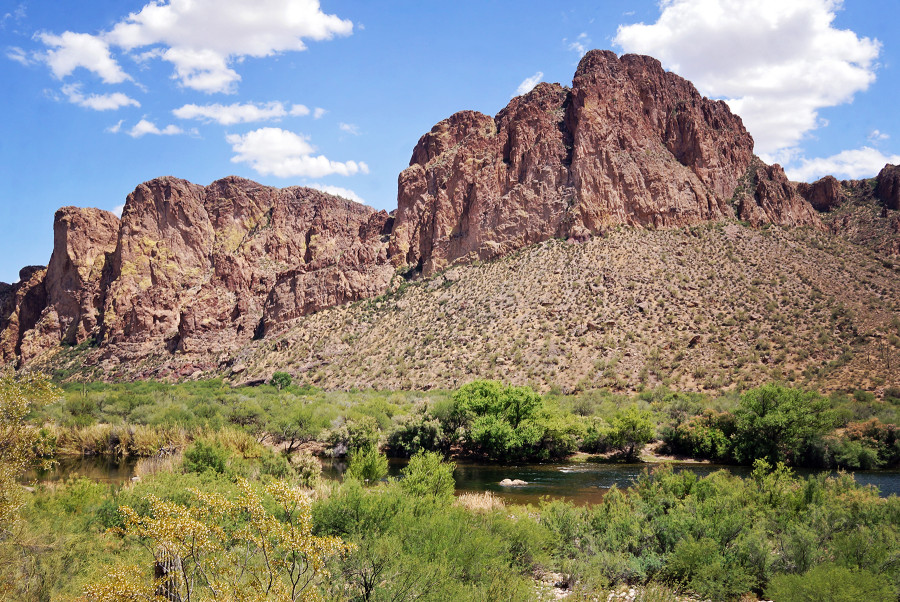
(280, 380)
(308, 469)
(831, 583)
(702, 436)
(414, 433)
(201, 456)
(630, 431)
(367, 465)
(428, 476)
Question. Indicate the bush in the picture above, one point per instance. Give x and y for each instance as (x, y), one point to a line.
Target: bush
(414, 433)
(428, 476)
(831, 583)
(630, 431)
(201, 456)
(367, 465)
(280, 380)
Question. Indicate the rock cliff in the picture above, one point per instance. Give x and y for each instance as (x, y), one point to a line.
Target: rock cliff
(199, 271)
(627, 144)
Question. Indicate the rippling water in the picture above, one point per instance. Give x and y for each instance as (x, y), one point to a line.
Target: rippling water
(582, 483)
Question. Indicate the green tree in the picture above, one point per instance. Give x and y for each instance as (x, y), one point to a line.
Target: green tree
(280, 380)
(631, 430)
(780, 424)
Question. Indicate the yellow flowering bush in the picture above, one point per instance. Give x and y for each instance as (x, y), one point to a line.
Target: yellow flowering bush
(219, 549)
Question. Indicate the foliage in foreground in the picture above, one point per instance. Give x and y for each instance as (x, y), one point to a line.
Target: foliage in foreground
(217, 548)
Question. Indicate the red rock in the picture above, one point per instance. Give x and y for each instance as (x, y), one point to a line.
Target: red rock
(628, 144)
(824, 194)
(21, 305)
(887, 186)
(776, 201)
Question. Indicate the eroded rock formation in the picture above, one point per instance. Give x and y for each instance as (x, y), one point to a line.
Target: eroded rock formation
(628, 144)
(200, 271)
(824, 194)
(888, 186)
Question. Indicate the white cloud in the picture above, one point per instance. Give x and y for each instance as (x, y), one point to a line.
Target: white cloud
(118, 209)
(273, 151)
(877, 136)
(144, 127)
(864, 162)
(319, 112)
(98, 102)
(204, 38)
(299, 110)
(349, 128)
(338, 191)
(233, 113)
(14, 53)
(73, 50)
(115, 129)
(581, 44)
(777, 63)
(529, 83)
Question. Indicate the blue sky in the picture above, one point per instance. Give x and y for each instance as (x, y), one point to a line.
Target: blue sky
(103, 95)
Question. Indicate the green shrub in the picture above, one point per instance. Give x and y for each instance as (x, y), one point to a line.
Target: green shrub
(428, 476)
(280, 380)
(202, 456)
(367, 465)
(831, 583)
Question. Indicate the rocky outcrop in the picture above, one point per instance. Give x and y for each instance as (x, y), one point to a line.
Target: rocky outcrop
(21, 305)
(207, 269)
(824, 194)
(628, 144)
(199, 271)
(887, 188)
(773, 199)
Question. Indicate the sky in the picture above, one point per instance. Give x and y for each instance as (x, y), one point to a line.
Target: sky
(103, 95)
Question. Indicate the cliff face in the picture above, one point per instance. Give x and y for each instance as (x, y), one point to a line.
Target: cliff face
(194, 271)
(628, 144)
(207, 269)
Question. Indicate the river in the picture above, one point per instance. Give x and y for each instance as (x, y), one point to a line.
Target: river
(581, 483)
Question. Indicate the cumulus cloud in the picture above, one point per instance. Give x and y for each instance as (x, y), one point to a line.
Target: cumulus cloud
(115, 129)
(528, 84)
(282, 153)
(118, 209)
(863, 162)
(70, 51)
(204, 38)
(299, 110)
(349, 128)
(338, 191)
(776, 63)
(98, 102)
(144, 127)
(878, 136)
(319, 112)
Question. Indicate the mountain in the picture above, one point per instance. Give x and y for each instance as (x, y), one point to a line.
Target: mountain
(672, 229)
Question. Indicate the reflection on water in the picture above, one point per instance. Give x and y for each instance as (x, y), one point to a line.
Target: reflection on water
(582, 483)
(102, 469)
